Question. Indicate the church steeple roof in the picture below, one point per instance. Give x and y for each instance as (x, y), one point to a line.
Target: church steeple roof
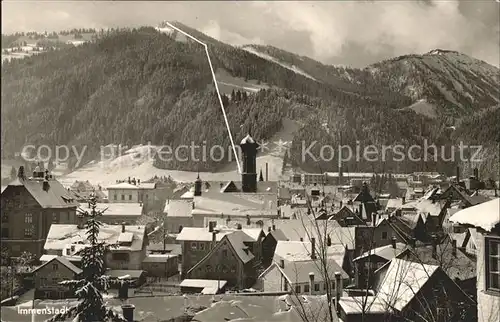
(247, 140)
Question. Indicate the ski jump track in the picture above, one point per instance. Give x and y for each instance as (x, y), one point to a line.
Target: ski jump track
(216, 88)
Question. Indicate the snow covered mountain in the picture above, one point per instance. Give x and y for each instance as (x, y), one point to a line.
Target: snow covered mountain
(454, 83)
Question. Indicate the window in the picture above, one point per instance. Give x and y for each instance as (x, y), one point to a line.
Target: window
(316, 287)
(115, 197)
(384, 235)
(28, 232)
(202, 246)
(233, 269)
(224, 252)
(120, 257)
(129, 197)
(54, 267)
(306, 288)
(5, 217)
(123, 197)
(492, 252)
(28, 218)
(208, 268)
(297, 289)
(43, 281)
(55, 217)
(194, 246)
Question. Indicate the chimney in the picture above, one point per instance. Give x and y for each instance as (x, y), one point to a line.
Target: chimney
(123, 227)
(128, 312)
(138, 181)
(374, 219)
(434, 247)
(267, 171)
(393, 242)
(360, 211)
(413, 242)
(313, 248)
(46, 185)
(282, 263)
(458, 174)
(268, 229)
(454, 248)
(311, 283)
(238, 226)
(248, 220)
(338, 290)
(340, 204)
(210, 226)
(20, 172)
(476, 173)
(328, 241)
(403, 200)
(129, 181)
(274, 227)
(214, 238)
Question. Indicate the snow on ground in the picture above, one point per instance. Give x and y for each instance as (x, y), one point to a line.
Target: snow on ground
(274, 60)
(422, 107)
(138, 162)
(227, 83)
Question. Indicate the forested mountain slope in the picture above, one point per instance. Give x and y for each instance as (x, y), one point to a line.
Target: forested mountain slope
(143, 85)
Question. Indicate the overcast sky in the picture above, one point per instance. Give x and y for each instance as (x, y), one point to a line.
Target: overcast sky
(353, 33)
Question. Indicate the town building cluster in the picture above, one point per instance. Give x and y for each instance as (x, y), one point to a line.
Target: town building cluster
(431, 248)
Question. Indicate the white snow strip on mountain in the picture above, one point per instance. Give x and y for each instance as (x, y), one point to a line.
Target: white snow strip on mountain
(274, 60)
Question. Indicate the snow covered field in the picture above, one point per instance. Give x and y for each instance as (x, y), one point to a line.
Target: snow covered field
(138, 163)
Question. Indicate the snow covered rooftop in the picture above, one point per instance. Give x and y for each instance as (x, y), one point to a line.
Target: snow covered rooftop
(205, 284)
(130, 186)
(247, 140)
(296, 251)
(485, 215)
(178, 208)
(61, 235)
(402, 281)
(116, 209)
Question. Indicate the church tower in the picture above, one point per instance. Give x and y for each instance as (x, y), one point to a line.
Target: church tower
(249, 171)
(197, 186)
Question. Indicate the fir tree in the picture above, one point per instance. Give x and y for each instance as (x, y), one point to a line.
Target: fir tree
(91, 307)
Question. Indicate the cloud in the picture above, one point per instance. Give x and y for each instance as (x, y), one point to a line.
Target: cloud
(214, 30)
(404, 26)
(344, 32)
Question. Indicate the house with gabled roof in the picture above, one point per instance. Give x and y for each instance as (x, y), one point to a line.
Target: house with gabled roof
(130, 241)
(197, 242)
(303, 277)
(446, 254)
(368, 262)
(230, 259)
(30, 205)
(347, 218)
(48, 276)
(411, 291)
(485, 218)
(456, 192)
(269, 243)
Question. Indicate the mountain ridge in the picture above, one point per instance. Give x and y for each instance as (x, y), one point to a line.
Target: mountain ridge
(155, 87)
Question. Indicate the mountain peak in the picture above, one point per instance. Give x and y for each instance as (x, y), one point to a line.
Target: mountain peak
(438, 51)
